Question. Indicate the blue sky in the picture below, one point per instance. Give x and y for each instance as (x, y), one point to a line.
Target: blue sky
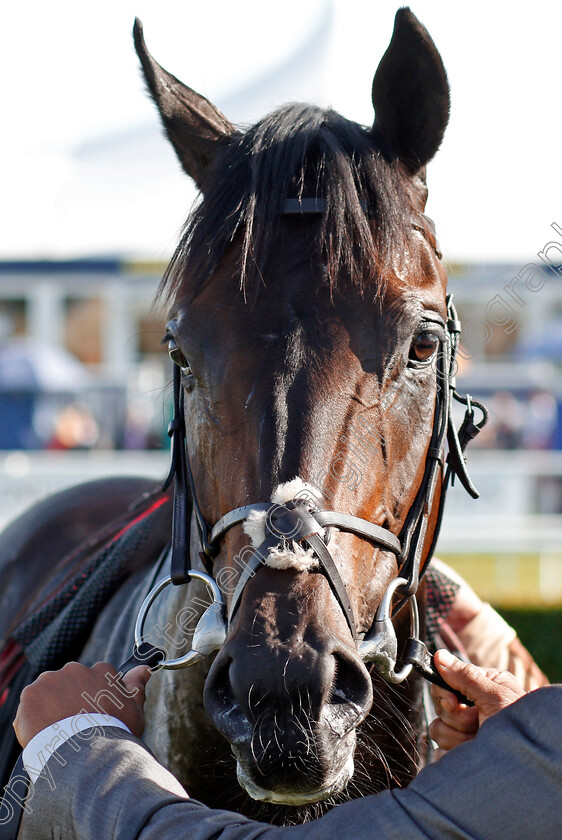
(84, 170)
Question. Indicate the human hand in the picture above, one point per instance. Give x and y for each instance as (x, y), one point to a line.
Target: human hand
(76, 689)
(491, 691)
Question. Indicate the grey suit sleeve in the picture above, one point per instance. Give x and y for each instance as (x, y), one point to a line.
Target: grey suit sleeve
(507, 783)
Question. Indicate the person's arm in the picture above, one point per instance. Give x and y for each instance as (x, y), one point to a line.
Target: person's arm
(515, 760)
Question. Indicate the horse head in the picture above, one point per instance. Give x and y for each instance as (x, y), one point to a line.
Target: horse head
(309, 317)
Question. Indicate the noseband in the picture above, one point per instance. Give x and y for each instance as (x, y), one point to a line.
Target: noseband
(301, 521)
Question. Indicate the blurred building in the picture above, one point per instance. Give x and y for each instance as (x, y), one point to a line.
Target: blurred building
(101, 312)
(511, 351)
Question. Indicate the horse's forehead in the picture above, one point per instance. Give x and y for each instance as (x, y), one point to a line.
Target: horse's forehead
(300, 294)
(296, 296)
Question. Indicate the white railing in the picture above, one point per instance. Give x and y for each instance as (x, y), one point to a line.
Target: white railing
(502, 534)
(505, 517)
(26, 477)
(518, 508)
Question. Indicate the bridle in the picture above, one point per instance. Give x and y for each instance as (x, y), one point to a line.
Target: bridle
(302, 521)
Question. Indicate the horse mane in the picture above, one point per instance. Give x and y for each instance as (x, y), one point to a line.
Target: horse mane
(298, 150)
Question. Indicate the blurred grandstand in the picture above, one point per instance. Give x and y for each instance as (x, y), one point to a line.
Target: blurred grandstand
(82, 370)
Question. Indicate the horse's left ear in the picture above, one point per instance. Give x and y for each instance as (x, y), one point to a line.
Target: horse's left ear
(411, 94)
(193, 125)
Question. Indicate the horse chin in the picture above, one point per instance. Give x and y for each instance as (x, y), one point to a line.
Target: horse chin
(293, 798)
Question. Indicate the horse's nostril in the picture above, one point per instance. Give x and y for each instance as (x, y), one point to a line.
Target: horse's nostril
(352, 684)
(218, 687)
(220, 703)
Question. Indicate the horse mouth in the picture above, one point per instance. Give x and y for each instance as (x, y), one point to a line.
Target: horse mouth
(294, 798)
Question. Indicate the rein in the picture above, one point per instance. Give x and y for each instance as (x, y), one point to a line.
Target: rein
(301, 520)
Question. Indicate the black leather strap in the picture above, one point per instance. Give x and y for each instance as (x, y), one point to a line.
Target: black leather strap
(235, 517)
(302, 525)
(456, 461)
(346, 522)
(250, 567)
(326, 518)
(417, 655)
(414, 532)
(334, 579)
(181, 515)
(297, 524)
(458, 441)
(144, 654)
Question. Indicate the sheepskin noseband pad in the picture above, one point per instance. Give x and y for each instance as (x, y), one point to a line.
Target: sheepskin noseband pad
(291, 522)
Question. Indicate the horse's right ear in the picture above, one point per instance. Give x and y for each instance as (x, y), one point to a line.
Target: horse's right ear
(193, 125)
(410, 95)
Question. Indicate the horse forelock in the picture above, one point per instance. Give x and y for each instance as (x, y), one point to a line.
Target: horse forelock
(299, 151)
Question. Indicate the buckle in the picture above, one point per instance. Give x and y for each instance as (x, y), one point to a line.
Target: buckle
(380, 646)
(291, 522)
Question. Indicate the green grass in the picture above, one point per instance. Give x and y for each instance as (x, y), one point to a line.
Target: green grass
(540, 630)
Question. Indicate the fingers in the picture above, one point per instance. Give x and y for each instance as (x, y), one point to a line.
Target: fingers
(491, 690)
(456, 723)
(51, 697)
(55, 695)
(446, 736)
(454, 714)
(128, 692)
(102, 668)
(475, 682)
(465, 677)
(135, 682)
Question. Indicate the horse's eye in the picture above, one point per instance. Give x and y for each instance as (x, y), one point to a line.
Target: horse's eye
(423, 347)
(177, 356)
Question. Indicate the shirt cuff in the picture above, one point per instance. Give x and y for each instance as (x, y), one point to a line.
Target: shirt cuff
(48, 740)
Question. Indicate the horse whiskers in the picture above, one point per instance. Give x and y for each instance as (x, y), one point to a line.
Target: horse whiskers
(385, 765)
(302, 760)
(393, 735)
(254, 754)
(383, 703)
(277, 729)
(253, 704)
(385, 732)
(369, 746)
(287, 691)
